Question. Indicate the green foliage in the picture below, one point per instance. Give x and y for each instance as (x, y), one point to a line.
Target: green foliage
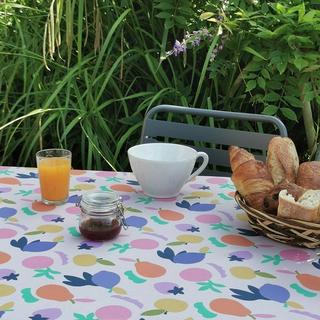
(86, 83)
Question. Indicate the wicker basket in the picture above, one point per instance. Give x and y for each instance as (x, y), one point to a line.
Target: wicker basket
(293, 232)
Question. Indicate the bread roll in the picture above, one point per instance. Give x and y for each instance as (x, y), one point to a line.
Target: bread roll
(238, 156)
(271, 200)
(282, 160)
(309, 175)
(306, 208)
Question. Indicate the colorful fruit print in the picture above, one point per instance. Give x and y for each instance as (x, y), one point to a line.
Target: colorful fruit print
(9, 180)
(113, 312)
(208, 218)
(49, 314)
(183, 257)
(296, 255)
(4, 257)
(165, 287)
(149, 269)
(229, 307)
(170, 215)
(195, 274)
(84, 186)
(237, 240)
(6, 290)
(309, 281)
(274, 292)
(50, 228)
(7, 212)
(6, 233)
(171, 305)
(135, 221)
(54, 292)
(122, 188)
(85, 260)
(242, 272)
(189, 238)
(145, 244)
(41, 207)
(37, 262)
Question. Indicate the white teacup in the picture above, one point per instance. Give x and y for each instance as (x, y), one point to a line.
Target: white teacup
(163, 168)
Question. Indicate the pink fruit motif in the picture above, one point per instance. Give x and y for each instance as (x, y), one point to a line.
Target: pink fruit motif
(296, 255)
(195, 274)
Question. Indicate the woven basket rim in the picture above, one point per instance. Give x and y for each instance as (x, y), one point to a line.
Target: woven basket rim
(291, 223)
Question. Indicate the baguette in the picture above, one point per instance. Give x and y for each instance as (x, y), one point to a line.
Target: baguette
(309, 175)
(282, 160)
(306, 208)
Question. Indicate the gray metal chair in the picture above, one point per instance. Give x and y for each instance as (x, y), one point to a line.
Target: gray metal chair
(212, 140)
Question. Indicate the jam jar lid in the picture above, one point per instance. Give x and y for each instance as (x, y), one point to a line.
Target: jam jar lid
(100, 202)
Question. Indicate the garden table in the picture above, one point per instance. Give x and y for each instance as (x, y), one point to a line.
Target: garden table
(190, 257)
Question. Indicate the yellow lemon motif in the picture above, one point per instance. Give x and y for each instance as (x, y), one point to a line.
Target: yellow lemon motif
(171, 305)
(6, 290)
(242, 272)
(49, 228)
(202, 194)
(84, 186)
(85, 260)
(187, 238)
(7, 306)
(242, 217)
(119, 290)
(147, 229)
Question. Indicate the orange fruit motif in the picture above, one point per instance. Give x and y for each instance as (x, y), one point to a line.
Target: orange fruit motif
(309, 281)
(39, 206)
(54, 292)
(122, 187)
(237, 240)
(230, 307)
(170, 215)
(75, 172)
(149, 270)
(7, 180)
(4, 257)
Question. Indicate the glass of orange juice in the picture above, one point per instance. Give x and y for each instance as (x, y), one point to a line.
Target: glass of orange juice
(54, 166)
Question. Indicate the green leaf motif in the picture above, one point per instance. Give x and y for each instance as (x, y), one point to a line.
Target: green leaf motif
(28, 212)
(157, 220)
(27, 296)
(204, 311)
(265, 275)
(32, 233)
(175, 243)
(74, 232)
(302, 291)
(216, 242)
(105, 262)
(153, 312)
(133, 277)
(7, 201)
(79, 316)
(206, 15)
(132, 209)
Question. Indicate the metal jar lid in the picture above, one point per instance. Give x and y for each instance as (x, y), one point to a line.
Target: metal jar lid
(100, 202)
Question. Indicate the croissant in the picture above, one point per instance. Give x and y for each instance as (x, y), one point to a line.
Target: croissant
(309, 175)
(251, 177)
(238, 156)
(282, 159)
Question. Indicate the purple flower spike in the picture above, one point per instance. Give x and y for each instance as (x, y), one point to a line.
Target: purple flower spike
(179, 47)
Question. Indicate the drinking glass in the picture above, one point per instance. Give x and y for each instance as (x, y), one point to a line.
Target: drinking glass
(54, 166)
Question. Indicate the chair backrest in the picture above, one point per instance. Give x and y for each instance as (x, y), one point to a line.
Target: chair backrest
(214, 140)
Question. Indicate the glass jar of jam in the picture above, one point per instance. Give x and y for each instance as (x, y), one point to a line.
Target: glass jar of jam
(102, 215)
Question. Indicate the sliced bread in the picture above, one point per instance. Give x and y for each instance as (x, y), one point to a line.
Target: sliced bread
(306, 208)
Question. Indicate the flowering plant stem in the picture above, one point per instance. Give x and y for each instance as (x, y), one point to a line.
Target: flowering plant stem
(206, 63)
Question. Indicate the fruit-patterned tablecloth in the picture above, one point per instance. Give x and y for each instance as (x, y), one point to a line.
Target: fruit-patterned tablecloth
(191, 257)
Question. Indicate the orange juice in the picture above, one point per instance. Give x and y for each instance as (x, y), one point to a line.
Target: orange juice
(54, 175)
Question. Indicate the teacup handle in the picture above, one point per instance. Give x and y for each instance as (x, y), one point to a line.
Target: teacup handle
(205, 158)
